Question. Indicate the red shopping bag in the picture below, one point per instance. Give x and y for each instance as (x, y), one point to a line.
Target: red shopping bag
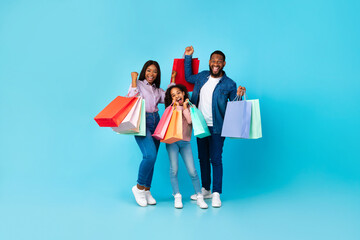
(180, 76)
(131, 122)
(163, 124)
(114, 113)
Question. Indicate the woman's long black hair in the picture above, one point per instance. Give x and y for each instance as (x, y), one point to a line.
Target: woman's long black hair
(168, 98)
(146, 65)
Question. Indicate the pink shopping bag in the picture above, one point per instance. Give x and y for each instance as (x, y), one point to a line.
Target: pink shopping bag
(163, 124)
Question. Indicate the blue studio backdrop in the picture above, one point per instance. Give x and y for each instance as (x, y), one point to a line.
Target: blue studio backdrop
(63, 177)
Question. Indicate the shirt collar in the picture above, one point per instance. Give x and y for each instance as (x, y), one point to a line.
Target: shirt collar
(147, 83)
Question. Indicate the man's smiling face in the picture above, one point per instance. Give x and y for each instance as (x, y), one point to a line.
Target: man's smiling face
(216, 64)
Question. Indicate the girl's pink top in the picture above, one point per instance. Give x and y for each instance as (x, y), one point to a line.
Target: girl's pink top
(186, 122)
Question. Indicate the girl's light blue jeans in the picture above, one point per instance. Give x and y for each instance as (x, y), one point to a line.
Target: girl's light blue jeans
(184, 148)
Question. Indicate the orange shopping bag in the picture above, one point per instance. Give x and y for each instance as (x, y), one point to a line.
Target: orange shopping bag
(114, 113)
(174, 132)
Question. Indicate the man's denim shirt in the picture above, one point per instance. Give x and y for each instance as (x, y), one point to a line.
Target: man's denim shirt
(225, 90)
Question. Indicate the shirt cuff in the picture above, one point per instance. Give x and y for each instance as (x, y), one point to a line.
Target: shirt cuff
(133, 91)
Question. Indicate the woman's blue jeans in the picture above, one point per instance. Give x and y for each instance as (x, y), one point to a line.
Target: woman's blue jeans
(184, 148)
(149, 148)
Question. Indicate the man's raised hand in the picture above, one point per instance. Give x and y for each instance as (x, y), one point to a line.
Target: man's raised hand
(189, 50)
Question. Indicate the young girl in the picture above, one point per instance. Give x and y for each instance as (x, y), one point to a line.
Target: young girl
(178, 95)
(148, 86)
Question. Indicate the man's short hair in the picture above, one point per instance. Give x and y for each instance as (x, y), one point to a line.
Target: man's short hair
(220, 53)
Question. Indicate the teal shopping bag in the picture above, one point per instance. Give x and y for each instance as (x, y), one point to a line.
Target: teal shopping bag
(200, 127)
(255, 122)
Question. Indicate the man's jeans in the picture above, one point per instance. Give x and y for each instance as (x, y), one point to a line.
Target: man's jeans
(210, 151)
(149, 147)
(184, 148)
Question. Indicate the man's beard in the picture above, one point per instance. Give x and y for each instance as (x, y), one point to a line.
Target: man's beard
(216, 75)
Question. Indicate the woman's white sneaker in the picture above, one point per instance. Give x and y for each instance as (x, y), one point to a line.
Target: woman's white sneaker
(149, 198)
(200, 202)
(206, 194)
(178, 201)
(216, 202)
(139, 196)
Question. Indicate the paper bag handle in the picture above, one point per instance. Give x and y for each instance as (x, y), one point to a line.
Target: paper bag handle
(238, 98)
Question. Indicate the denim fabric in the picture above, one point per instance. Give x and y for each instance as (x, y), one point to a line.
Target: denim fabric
(225, 90)
(210, 151)
(184, 148)
(149, 147)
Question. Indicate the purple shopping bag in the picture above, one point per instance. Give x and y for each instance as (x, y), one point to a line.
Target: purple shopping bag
(237, 119)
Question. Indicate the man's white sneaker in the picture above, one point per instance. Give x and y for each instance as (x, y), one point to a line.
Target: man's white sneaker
(206, 194)
(139, 196)
(200, 202)
(216, 202)
(178, 202)
(149, 198)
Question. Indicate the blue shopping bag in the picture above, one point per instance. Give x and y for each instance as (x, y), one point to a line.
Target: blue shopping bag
(200, 127)
(237, 119)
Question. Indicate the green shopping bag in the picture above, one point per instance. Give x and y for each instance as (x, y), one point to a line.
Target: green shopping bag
(200, 127)
(255, 122)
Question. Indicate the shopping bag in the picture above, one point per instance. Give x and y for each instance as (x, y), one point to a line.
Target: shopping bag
(199, 125)
(142, 126)
(237, 119)
(163, 124)
(114, 113)
(180, 76)
(174, 131)
(131, 122)
(255, 123)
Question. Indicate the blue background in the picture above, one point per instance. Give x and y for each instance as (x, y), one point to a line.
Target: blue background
(63, 177)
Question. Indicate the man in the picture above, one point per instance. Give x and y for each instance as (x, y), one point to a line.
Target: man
(211, 93)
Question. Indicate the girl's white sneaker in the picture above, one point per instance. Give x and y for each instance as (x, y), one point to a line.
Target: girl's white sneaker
(149, 198)
(178, 201)
(200, 201)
